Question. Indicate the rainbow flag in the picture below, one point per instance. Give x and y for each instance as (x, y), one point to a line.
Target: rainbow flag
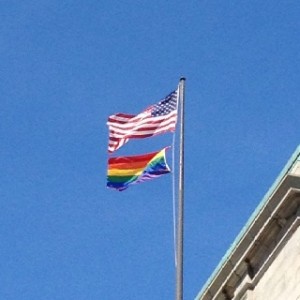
(126, 170)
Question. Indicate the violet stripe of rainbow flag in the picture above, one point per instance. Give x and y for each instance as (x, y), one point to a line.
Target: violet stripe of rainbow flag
(127, 170)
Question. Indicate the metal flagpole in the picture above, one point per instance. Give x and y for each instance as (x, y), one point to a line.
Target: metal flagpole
(180, 221)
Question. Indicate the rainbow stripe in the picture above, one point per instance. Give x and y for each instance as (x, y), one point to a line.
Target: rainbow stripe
(126, 170)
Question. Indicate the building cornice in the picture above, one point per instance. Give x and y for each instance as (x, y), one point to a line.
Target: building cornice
(267, 230)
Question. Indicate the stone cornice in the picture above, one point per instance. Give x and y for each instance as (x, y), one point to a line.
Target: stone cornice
(270, 227)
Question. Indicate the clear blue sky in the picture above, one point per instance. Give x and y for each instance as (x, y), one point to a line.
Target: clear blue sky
(65, 66)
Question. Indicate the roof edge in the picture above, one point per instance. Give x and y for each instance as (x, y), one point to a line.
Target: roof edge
(256, 212)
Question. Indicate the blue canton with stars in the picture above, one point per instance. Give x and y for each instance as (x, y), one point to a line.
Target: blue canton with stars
(165, 106)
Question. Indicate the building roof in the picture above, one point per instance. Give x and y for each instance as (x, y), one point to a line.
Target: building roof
(263, 227)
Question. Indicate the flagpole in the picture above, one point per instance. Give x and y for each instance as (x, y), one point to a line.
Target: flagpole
(180, 221)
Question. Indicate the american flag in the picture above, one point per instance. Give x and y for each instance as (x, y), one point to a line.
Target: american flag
(156, 119)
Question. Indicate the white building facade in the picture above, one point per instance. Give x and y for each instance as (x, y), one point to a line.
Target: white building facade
(264, 261)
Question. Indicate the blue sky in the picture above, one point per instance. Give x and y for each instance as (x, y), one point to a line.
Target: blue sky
(65, 67)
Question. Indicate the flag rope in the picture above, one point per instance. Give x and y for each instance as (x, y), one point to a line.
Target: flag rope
(174, 186)
(174, 199)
